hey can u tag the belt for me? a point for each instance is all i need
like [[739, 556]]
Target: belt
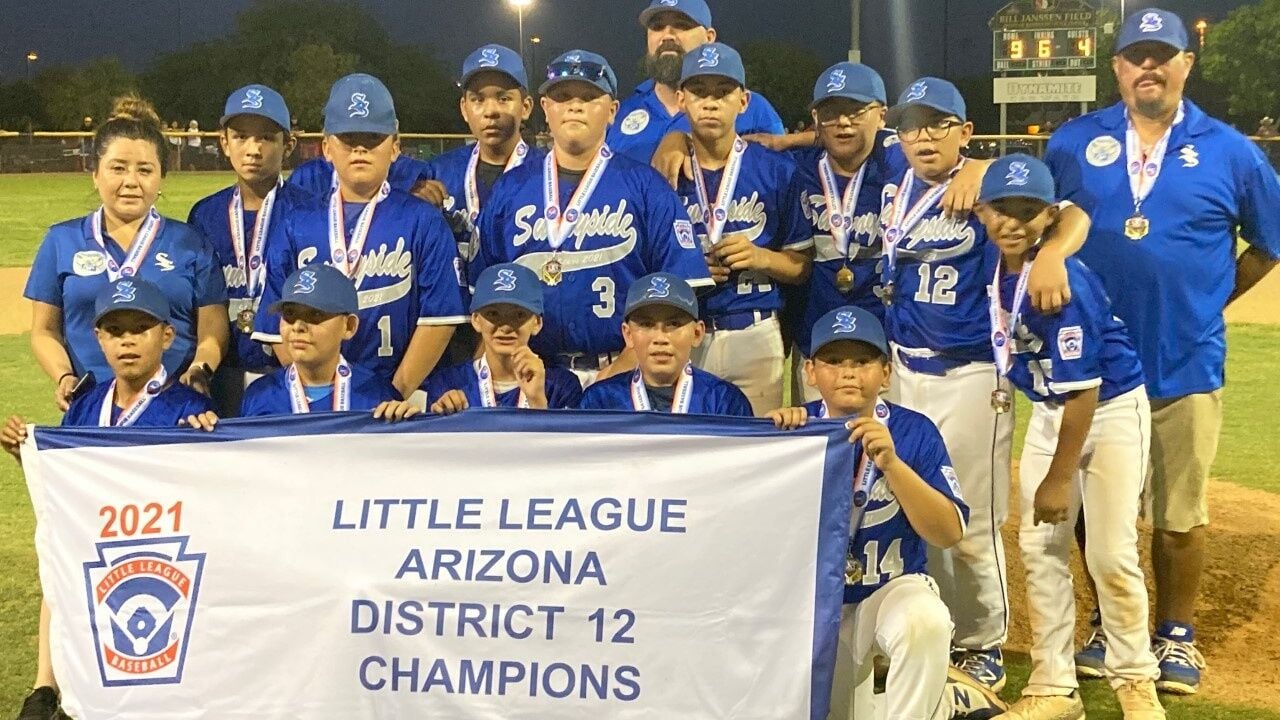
[[584, 361], [739, 320], [929, 364]]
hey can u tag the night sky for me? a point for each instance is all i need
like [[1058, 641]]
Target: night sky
[[64, 32]]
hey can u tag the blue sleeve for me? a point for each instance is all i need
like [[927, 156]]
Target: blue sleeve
[[255, 402], [209, 283], [441, 287], [1260, 205], [79, 411], [437, 384], [1075, 339], [565, 390], [280, 261], [44, 284], [593, 398], [764, 119], [195, 405], [736, 403], [485, 248], [795, 232], [314, 177], [932, 463], [668, 248]]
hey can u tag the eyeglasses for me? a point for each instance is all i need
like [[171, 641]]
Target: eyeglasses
[[588, 71], [935, 131], [830, 117]]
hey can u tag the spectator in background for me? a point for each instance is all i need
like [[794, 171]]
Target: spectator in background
[[86, 143], [175, 145], [193, 142], [1267, 128]]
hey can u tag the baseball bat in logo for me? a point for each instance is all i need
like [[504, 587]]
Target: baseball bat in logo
[[142, 600]]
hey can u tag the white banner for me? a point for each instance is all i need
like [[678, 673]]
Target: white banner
[[1052, 88], [493, 564]]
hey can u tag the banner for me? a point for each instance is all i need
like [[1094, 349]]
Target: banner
[[491, 564]]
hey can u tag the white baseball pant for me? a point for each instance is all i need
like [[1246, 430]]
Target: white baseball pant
[[751, 358]]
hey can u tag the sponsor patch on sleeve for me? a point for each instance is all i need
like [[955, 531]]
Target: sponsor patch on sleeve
[[1071, 342], [684, 234], [953, 481]]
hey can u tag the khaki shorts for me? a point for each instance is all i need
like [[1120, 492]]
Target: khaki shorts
[[1184, 441]]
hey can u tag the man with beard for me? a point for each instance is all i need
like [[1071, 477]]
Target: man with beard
[[1169, 189], [674, 27]]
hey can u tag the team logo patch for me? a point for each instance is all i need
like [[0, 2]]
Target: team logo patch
[[953, 481], [306, 283], [506, 281], [836, 81], [710, 58], [252, 100], [659, 287], [163, 262], [1071, 342], [669, 3], [88, 263], [1018, 175], [684, 234], [845, 323], [1189, 157], [344, 370], [359, 106], [917, 91], [1151, 22], [635, 121], [488, 57], [574, 58], [124, 292], [142, 601], [1102, 151]]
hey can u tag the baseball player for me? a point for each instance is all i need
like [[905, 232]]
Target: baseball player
[[1086, 449], [506, 310], [661, 326], [934, 278], [236, 221], [674, 28], [745, 204], [396, 248], [905, 497], [318, 312], [586, 220]]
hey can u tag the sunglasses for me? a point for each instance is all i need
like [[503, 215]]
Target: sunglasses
[[588, 71]]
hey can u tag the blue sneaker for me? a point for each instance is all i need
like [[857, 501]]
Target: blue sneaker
[[1180, 661], [1091, 660], [984, 666]]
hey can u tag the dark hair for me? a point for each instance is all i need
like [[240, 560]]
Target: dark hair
[[132, 118]]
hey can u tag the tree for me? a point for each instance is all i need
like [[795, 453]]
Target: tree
[[21, 107], [784, 73], [1240, 55], [68, 95], [312, 69]]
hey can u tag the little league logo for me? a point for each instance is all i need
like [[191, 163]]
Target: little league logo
[[142, 600], [252, 100]]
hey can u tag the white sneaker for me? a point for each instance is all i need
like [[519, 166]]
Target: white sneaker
[[970, 698], [1139, 701], [1047, 707]]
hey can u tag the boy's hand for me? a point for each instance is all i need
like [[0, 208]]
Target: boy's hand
[[1053, 499], [451, 402], [736, 252], [397, 410], [197, 379], [958, 201], [1047, 284], [433, 191], [13, 435], [62, 393], [719, 273], [876, 440], [671, 159], [789, 418], [531, 375], [206, 421]]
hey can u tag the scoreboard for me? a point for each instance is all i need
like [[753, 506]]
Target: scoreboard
[[1047, 49]]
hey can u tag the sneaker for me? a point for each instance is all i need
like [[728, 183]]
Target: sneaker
[[41, 704], [1180, 661], [1047, 707], [971, 699], [985, 666], [1139, 701], [1091, 659]]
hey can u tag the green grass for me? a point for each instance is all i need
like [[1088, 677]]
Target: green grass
[[29, 204]]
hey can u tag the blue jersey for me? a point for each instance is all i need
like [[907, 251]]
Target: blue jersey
[[885, 164], [1081, 347], [943, 269], [1170, 287], [710, 396], [886, 544], [210, 216], [172, 405], [269, 394], [643, 120], [407, 277], [70, 269], [633, 225], [315, 176], [563, 388], [765, 208], [450, 169]]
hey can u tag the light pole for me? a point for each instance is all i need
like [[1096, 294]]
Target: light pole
[[31, 58], [1202, 25], [520, 5], [535, 41], [855, 31]]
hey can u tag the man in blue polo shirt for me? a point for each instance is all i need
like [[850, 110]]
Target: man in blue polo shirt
[[1169, 188], [674, 27]]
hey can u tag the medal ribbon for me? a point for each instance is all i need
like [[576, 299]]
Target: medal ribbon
[[840, 209], [249, 256], [679, 405], [147, 235], [865, 477], [130, 415], [472, 189], [560, 225], [341, 389], [488, 398], [902, 219], [1002, 333], [715, 217], [346, 256], [1140, 166]]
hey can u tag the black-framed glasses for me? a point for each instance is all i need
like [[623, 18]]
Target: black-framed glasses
[[934, 131], [588, 71], [831, 116]]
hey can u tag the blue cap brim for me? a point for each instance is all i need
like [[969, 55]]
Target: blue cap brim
[[848, 96], [647, 302], [548, 84], [279, 304], [222, 122], [895, 113], [343, 126], [98, 318], [531, 307], [462, 83]]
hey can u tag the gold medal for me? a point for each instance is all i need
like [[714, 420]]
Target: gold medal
[[852, 571], [1136, 227], [1001, 402], [551, 272], [844, 280], [886, 293], [244, 321]]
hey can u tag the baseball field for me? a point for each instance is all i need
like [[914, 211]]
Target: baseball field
[[1239, 619]]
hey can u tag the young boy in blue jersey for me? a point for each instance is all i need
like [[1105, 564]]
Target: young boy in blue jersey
[[133, 328], [237, 220], [745, 205], [906, 497], [1086, 449], [397, 249], [318, 312], [506, 310], [587, 221], [662, 328]]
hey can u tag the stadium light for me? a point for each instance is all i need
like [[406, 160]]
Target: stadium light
[[520, 5], [1202, 26], [31, 57]]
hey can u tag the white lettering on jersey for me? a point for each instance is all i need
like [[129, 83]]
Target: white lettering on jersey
[[819, 216], [1189, 157], [602, 222], [742, 210], [880, 493], [394, 262]]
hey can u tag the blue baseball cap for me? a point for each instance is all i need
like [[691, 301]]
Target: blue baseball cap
[[129, 293], [582, 66], [695, 10], [257, 100], [508, 283], [494, 58], [848, 323], [930, 92], [360, 103], [713, 59], [1152, 25], [1018, 175], [322, 287], [849, 80], [662, 288]]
